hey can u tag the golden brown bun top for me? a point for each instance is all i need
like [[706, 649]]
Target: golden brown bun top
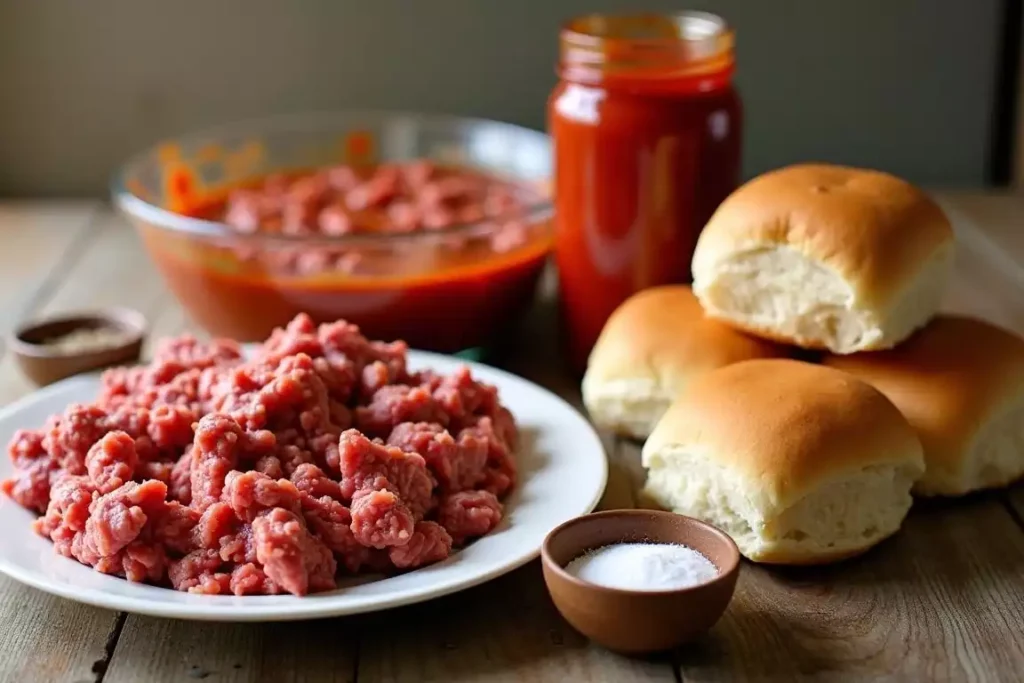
[[662, 334], [948, 379], [875, 229], [787, 425]]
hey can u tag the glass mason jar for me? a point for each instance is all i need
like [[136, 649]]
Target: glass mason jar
[[646, 127]]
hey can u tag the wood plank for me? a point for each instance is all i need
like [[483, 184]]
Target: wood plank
[[159, 650], [935, 603], [51, 639], [620, 492], [985, 290], [994, 216], [106, 268], [506, 630], [112, 271], [36, 237], [44, 638], [109, 270], [938, 602]]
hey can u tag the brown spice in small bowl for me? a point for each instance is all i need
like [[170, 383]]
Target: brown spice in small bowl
[[52, 349], [86, 339]]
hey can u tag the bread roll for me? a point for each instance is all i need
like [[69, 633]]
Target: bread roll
[[960, 383], [650, 349], [799, 463], [825, 257]]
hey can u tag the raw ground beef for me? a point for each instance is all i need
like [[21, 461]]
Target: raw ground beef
[[407, 197], [321, 454]]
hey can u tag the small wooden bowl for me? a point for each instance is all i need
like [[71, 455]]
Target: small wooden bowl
[[45, 364], [639, 622]]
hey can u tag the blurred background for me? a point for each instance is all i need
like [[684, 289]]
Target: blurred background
[[925, 89]]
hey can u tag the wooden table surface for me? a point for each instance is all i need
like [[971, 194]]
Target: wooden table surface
[[941, 601]]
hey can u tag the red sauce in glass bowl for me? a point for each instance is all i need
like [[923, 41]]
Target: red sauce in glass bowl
[[378, 246], [647, 132]]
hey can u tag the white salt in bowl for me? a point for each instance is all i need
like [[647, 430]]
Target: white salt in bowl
[[639, 621]]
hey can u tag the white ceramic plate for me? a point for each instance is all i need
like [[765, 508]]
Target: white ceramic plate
[[562, 474]]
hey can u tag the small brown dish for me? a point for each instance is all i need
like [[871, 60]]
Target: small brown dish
[[631, 621], [94, 341]]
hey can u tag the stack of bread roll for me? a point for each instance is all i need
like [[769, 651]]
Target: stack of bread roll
[[806, 386]]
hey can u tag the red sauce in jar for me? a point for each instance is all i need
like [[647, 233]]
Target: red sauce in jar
[[647, 137], [437, 289]]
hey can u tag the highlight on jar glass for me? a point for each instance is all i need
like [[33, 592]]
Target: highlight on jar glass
[[646, 128], [434, 230]]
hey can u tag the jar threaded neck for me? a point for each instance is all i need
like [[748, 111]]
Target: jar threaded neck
[[694, 49]]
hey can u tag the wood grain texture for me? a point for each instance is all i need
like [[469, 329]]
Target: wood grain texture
[[941, 601], [111, 270], [43, 638], [107, 269], [167, 651], [36, 240], [620, 491], [506, 630], [938, 602]]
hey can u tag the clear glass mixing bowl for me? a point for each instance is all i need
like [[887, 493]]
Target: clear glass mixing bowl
[[446, 290]]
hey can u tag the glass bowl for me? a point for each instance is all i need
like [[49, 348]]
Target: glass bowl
[[445, 290]]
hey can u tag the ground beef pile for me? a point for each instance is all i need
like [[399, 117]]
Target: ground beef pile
[[401, 197], [414, 196], [321, 454]]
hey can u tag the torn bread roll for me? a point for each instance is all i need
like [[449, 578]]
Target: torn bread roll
[[960, 383], [799, 463], [825, 257], [650, 349]]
